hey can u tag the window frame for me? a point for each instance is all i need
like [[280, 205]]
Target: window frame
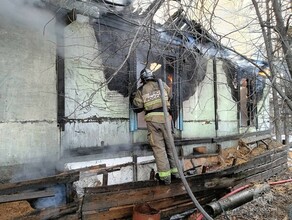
[[176, 102]]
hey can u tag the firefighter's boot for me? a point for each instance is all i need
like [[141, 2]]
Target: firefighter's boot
[[163, 180]]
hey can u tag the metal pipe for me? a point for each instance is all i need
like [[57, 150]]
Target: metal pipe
[[236, 200], [215, 83], [178, 165]]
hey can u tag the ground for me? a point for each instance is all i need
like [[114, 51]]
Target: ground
[[274, 205], [13, 210]]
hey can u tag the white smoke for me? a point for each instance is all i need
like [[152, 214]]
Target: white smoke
[[28, 14], [58, 199]]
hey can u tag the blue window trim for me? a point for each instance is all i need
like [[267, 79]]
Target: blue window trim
[[133, 120]]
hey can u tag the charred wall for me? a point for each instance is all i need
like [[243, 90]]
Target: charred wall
[[234, 76], [116, 36], [193, 73], [114, 46]]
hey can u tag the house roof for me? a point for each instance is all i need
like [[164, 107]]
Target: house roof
[[177, 30]]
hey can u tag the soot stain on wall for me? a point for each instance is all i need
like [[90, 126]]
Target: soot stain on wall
[[113, 53], [114, 45], [234, 76], [193, 73]]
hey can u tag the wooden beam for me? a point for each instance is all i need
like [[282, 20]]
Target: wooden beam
[[135, 167], [144, 146], [105, 200], [27, 195], [54, 213], [105, 179], [63, 178], [254, 139], [168, 206], [129, 193]]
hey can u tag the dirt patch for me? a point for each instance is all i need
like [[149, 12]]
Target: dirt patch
[[13, 210], [244, 152], [230, 156]]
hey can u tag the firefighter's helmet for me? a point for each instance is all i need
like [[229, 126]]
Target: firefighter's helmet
[[146, 75]]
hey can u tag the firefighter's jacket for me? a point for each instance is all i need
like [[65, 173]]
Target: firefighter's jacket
[[148, 98]]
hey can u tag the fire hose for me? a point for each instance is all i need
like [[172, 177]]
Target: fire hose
[[232, 200], [177, 162]]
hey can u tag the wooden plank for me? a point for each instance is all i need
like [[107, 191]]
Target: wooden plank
[[238, 136], [70, 192], [148, 183], [63, 178], [53, 213], [261, 159], [253, 139], [227, 178], [140, 146], [261, 168], [27, 195], [89, 168], [119, 187], [114, 168], [167, 206], [112, 199], [74, 216], [99, 201], [105, 179], [256, 161], [264, 175]]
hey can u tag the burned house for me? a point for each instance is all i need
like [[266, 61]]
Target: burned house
[[65, 87]]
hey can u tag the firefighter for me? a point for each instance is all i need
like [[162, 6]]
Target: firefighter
[[148, 98]]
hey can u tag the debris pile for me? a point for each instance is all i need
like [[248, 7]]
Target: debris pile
[[229, 168]]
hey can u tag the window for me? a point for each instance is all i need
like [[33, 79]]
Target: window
[[164, 68], [247, 103]]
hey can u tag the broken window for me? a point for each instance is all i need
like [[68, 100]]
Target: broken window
[[247, 102], [166, 69], [247, 90]]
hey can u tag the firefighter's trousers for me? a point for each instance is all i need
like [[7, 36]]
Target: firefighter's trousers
[[160, 142]]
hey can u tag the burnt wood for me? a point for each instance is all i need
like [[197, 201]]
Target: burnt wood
[[27, 195], [10, 188], [60, 212], [117, 201], [168, 206], [256, 138], [228, 172], [63, 178], [144, 146]]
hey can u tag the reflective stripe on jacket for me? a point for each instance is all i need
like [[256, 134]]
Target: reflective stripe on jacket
[[148, 97]]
